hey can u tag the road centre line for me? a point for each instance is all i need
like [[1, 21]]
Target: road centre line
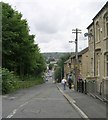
[[15, 110]]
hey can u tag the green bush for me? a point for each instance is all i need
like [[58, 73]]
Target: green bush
[[9, 81]]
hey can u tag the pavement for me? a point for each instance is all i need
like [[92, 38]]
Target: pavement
[[87, 105]]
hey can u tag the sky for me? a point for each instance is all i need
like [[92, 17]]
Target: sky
[[52, 21]]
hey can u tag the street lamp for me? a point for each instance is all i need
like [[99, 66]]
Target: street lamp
[[88, 34]]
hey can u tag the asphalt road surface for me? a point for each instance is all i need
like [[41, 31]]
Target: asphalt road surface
[[42, 101]]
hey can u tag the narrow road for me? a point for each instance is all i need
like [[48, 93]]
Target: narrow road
[[43, 101]]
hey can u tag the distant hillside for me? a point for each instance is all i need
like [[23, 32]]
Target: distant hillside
[[55, 55]]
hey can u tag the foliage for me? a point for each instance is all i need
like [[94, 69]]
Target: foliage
[[51, 66], [31, 81], [55, 55], [59, 72], [9, 81], [20, 54]]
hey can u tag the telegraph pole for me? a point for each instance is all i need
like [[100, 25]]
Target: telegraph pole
[[76, 31]]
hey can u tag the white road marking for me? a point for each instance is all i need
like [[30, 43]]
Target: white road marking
[[73, 104], [67, 96], [15, 110]]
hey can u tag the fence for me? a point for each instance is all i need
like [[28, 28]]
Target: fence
[[93, 87]]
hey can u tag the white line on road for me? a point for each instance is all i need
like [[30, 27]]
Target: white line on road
[[68, 97], [15, 110], [73, 104]]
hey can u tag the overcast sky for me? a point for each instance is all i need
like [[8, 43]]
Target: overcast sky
[[52, 21]]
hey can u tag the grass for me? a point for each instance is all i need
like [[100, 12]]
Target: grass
[[30, 82]]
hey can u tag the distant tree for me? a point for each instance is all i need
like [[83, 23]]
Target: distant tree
[[59, 72], [51, 66]]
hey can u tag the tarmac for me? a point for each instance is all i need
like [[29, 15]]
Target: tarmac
[[89, 106]]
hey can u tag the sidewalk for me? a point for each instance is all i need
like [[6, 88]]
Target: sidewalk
[[100, 97], [89, 107]]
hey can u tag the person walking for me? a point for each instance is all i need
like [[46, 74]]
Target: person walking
[[64, 81], [70, 81]]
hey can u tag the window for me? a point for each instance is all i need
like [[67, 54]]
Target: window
[[97, 63], [90, 34], [107, 65], [105, 25], [97, 31]]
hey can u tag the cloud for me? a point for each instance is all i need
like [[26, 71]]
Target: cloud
[[52, 21], [46, 26]]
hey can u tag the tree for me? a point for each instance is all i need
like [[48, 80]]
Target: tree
[[19, 52], [59, 72], [51, 66]]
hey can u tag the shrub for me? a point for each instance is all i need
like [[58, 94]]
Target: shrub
[[9, 81]]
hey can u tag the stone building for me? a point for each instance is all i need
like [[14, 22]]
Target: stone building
[[93, 60], [82, 67], [98, 47]]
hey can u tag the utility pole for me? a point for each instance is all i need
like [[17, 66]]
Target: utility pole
[[76, 31]]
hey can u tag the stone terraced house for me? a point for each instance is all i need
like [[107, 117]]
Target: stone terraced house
[[93, 61]]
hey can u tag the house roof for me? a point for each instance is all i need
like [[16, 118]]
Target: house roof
[[83, 51], [79, 54], [67, 61], [90, 25], [105, 6]]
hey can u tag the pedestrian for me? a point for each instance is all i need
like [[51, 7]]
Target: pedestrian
[[79, 77], [79, 83], [70, 81], [64, 81]]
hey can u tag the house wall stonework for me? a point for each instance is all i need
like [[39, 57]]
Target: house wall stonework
[[93, 63], [98, 49]]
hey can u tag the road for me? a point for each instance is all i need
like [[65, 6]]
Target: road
[[42, 101]]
